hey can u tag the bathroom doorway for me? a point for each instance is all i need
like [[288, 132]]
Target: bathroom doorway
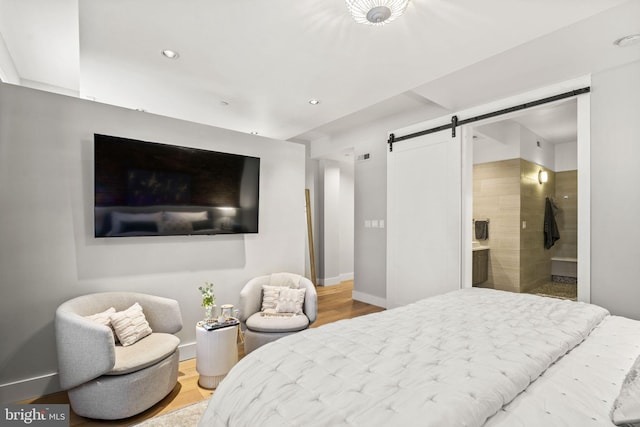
[[525, 181]]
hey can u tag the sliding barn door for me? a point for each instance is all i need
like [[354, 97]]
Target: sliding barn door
[[423, 217]]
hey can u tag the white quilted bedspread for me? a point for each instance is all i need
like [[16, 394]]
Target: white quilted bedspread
[[449, 360]]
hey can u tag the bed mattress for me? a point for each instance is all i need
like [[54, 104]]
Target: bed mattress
[[453, 359], [580, 388]]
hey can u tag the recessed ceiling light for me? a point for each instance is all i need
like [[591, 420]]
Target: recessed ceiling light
[[627, 40], [171, 54], [224, 103], [254, 132], [142, 110], [314, 101]]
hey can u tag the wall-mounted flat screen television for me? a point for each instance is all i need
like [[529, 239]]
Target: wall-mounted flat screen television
[[152, 189]]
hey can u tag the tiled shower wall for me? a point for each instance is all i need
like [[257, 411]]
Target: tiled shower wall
[[567, 218], [496, 196], [535, 260], [508, 193]]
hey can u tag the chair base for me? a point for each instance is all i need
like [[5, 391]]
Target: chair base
[[113, 397], [254, 340]]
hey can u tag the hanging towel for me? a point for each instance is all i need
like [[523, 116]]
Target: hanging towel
[[482, 230], [551, 233]]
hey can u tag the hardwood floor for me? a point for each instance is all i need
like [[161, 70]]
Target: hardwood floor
[[334, 303]]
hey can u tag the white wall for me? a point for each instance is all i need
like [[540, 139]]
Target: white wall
[[369, 181], [615, 197], [566, 156], [330, 237], [496, 141], [508, 139], [544, 154], [346, 212], [370, 250], [47, 250], [336, 238]]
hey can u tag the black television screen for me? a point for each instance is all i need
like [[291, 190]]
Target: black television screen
[[152, 189]]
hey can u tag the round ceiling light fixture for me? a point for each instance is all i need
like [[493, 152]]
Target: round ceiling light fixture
[[171, 54], [627, 40], [376, 12], [314, 101]]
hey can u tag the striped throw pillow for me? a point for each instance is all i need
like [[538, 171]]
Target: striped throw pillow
[[130, 325]]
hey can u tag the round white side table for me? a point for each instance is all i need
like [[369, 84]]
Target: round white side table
[[216, 353]]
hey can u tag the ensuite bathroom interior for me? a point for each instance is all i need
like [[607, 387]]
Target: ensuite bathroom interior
[[525, 178]]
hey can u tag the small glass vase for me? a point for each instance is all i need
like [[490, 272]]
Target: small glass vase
[[210, 314]]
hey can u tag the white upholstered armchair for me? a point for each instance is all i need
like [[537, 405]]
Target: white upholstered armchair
[[106, 380], [260, 329]]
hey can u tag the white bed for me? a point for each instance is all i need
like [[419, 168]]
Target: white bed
[[467, 358]]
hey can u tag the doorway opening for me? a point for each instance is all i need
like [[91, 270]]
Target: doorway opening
[[525, 201], [330, 180]]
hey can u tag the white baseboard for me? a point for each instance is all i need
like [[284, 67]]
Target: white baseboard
[[369, 299], [187, 351], [42, 385], [329, 281], [343, 277], [29, 388], [346, 276]]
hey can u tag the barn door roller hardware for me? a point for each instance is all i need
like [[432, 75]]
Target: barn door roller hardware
[[455, 122]]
